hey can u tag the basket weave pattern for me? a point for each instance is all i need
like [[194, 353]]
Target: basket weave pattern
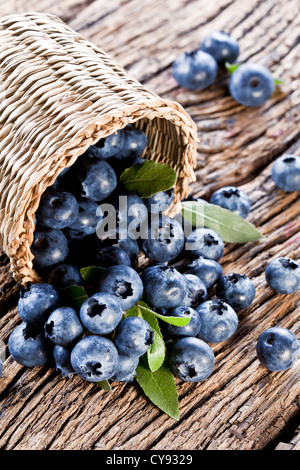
[[59, 95]]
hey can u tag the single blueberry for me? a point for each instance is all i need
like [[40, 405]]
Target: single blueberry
[[63, 275], [135, 142], [283, 275], [126, 369], [196, 291], [123, 282], [62, 359], [124, 242], [89, 215], [164, 286], [223, 47], [108, 146], [237, 290], [233, 199], [251, 85], [286, 173], [208, 271], [49, 247], [164, 239], [195, 70], [205, 242], [101, 313], [218, 321], [98, 180], [191, 329], [159, 202], [191, 359], [278, 349], [94, 358], [133, 336], [36, 302], [111, 256], [57, 209], [28, 345], [63, 326]]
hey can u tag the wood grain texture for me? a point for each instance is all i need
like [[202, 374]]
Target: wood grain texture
[[241, 406]]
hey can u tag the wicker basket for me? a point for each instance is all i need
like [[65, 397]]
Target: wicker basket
[[59, 95]]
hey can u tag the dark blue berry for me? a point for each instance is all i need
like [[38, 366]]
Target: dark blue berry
[[205, 242], [277, 349], [196, 291], [191, 359], [208, 271], [221, 46], [123, 282], [164, 286], [191, 329], [101, 313], [251, 85], [126, 369], [94, 358], [63, 275], [111, 256], [218, 321], [98, 182], [195, 70], [237, 290], [62, 359], [159, 202], [49, 247], [233, 199], [283, 275], [28, 345], [286, 173], [57, 209], [89, 215], [63, 326], [36, 302], [133, 336]]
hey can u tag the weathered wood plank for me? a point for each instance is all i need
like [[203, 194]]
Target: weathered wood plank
[[242, 406]]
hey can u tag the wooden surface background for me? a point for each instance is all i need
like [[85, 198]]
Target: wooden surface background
[[241, 406]]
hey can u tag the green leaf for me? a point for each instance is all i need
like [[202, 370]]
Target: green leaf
[[104, 385], [91, 274], [160, 388], [231, 67], [73, 296], [278, 81], [148, 178], [230, 226], [168, 319]]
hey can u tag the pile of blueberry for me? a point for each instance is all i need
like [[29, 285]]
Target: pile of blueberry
[[250, 84], [100, 341]]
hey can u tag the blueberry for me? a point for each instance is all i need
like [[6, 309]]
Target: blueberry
[[124, 242], [108, 146], [57, 209], [63, 326], [191, 329], [160, 201], [101, 313], [129, 214], [283, 275], [28, 346], [98, 181], [233, 199], [135, 142], [63, 275], [205, 242], [164, 286], [196, 291], [133, 336], [286, 173], [123, 282], [94, 358], [36, 302], [277, 349], [195, 70], [126, 369], [237, 290], [62, 359], [218, 321], [89, 215], [191, 359], [164, 240], [208, 271], [221, 46], [111, 256], [251, 85], [49, 247]]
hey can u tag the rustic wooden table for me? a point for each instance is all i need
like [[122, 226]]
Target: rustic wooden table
[[241, 406]]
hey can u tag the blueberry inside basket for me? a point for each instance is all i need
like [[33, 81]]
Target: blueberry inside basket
[[60, 94]]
